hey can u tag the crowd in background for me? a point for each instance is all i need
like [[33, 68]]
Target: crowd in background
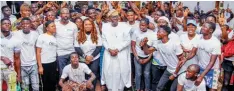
[[154, 46]]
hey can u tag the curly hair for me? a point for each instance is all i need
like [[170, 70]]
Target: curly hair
[[81, 37]]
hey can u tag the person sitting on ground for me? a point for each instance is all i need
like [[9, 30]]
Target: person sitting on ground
[[186, 80], [76, 73]]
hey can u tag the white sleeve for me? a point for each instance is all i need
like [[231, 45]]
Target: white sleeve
[[17, 47], [76, 43], [86, 69], [125, 42], [39, 42], [133, 37], [216, 50], [75, 34], [202, 86], [99, 40], [65, 72], [178, 49], [104, 41], [181, 79]]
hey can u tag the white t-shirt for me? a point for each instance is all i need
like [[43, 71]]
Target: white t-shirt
[[205, 49], [48, 46], [40, 29], [180, 27], [181, 32], [12, 18], [157, 56], [76, 75], [189, 44], [169, 52], [65, 36], [134, 26], [189, 85], [138, 36], [8, 47], [173, 36], [27, 43], [218, 32], [88, 47]]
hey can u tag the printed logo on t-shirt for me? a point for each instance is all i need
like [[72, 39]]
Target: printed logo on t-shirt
[[27, 43], [69, 29], [52, 44], [4, 46]]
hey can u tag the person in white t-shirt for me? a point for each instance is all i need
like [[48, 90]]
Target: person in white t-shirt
[[66, 32], [46, 56], [6, 11], [217, 32], [10, 57], [208, 50], [186, 81], [171, 53], [189, 43], [75, 72], [27, 41], [88, 45], [142, 62], [50, 16], [163, 20]]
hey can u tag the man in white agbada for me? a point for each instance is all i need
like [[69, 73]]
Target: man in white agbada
[[116, 70]]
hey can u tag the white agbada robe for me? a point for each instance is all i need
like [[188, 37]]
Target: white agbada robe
[[116, 70]]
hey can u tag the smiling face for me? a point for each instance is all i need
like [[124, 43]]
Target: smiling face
[[191, 29], [92, 14], [205, 29], [162, 22], [88, 26], [114, 20], [130, 16], [65, 15]]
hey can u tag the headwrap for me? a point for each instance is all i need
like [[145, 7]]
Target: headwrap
[[113, 12], [166, 19]]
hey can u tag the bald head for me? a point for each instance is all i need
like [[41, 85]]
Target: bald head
[[195, 68]]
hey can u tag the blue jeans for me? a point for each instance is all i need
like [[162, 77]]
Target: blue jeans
[[94, 67], [139, 68], [164, 80], [157, 72], [29, 74], [101, 58], [62, 62]]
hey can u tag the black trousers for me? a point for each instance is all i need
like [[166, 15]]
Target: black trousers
[[49, 76]]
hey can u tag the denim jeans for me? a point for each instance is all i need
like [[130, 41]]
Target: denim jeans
[[157, 72], [164, 80], [228, 70], [62, 62], [94, 67], [139, 69], [29, 74]]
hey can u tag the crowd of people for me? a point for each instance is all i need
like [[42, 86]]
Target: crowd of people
[[156, 47]]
